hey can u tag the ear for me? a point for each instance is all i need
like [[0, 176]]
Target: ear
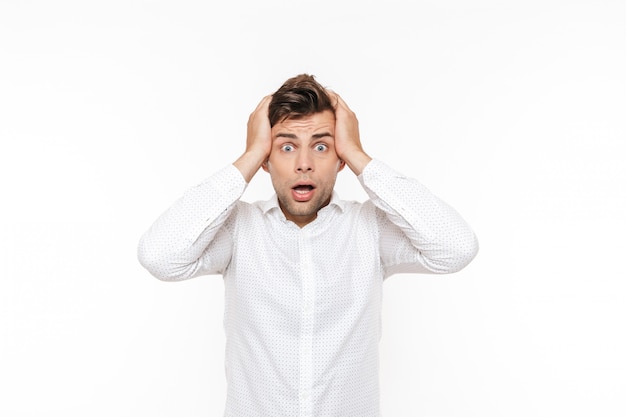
[[265, 166], [342, 165]]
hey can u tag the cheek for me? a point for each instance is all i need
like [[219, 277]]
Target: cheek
[[276, 168], [279, 160]]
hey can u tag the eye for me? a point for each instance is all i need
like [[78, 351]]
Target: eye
[[320, 147], [287, 147]]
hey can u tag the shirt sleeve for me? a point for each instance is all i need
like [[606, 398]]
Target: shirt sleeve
[[419, 233], [176, 246]]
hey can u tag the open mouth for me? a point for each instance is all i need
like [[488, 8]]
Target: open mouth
[[303, 189], [302, 192]]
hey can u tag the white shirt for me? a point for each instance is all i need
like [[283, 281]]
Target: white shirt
[[302, 307]]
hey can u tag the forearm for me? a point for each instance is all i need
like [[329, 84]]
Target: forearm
[[172, 247], [356, 160], [249, 163]]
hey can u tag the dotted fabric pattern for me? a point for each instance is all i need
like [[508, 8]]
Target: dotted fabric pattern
[[302, 307]]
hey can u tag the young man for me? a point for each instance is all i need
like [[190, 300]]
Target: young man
[[303, 271]]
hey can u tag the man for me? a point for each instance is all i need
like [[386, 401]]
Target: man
[[303, 271]]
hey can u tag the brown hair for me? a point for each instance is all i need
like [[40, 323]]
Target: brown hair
[[299, 96]]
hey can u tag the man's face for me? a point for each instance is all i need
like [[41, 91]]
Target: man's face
[[303, 165]]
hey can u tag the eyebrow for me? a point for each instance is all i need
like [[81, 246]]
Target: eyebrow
[[293, 136]]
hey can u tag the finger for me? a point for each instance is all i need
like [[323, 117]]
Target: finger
[[334, 97], [342, 103], [264, 103]]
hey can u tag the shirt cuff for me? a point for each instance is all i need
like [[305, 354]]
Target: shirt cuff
[[376, 173]]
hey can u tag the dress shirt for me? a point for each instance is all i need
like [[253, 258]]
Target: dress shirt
[[303, 305]]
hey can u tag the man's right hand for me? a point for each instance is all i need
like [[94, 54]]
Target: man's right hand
[[258, 141]]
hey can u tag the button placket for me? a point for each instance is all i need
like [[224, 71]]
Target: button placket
[[306, 325]]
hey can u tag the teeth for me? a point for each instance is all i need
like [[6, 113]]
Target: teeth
[[302, 188]]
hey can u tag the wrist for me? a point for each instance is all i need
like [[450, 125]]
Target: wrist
[[357, 161], [249, 163]]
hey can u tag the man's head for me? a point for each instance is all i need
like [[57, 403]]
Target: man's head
[[302, 163], [299, 96]]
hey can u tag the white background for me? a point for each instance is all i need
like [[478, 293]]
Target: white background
[[513, 112]]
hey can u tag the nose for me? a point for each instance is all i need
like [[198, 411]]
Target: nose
[[304, 162]]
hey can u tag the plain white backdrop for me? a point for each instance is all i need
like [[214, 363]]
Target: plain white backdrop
[[513, 112]]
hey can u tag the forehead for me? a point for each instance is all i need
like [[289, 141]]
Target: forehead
[[316, 121]]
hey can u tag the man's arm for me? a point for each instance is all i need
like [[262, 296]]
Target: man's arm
[[419, 232], [175, 246], [189, 239]]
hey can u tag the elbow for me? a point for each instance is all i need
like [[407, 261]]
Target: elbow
[[152, 264], [452, 259], [157, 265], [463, 254]]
